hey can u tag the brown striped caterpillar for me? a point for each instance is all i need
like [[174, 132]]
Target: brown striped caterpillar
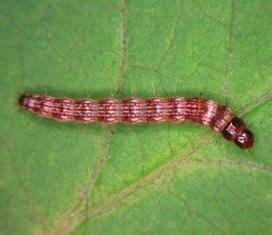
[[134, 110]]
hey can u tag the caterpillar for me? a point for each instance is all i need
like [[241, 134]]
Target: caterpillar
[[134, 110]]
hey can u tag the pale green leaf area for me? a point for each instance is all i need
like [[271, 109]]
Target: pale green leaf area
[[72, 178]]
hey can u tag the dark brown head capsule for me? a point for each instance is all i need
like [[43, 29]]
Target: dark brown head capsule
[[237, 132]]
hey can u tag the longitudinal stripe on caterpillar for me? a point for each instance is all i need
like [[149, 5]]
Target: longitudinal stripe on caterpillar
[[134, 110]]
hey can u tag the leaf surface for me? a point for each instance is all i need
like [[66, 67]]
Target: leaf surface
[[167, 178]]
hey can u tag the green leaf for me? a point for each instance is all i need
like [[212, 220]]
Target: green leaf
[[60, 178]]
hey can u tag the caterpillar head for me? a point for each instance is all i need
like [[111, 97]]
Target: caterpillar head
[[237, 132]]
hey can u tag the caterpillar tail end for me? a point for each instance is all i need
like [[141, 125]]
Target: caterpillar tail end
[[23, 99]]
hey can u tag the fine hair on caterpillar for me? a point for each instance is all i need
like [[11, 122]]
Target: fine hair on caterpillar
[[134, 110]]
